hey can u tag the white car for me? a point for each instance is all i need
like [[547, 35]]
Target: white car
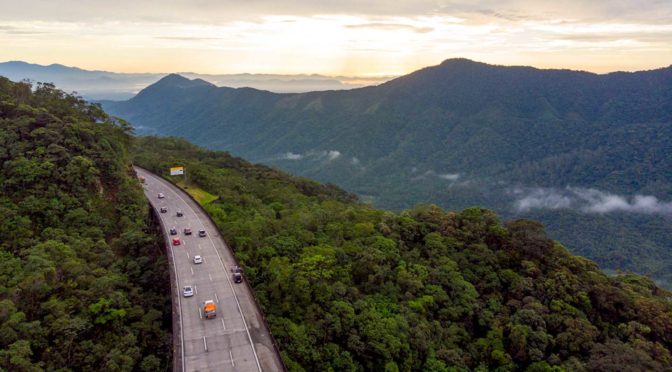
[[188, 291], [161, 196], [198, 259]]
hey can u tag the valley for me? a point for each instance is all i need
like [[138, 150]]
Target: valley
[[586, 154]]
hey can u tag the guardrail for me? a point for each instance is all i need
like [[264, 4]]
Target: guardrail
[[177, 324], [249, 287]]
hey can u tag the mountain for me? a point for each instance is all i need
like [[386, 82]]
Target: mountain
[[84, 283], [105, 85], [587, 154], [347, 287]]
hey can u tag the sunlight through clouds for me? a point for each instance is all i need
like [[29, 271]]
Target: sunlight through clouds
[[354, 41]]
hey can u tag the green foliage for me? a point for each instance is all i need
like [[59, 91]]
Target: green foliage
[[346, 287], [459, 134], [83, 283]]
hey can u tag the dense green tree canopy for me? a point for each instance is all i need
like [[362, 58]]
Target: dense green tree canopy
[[83, 282], [347, 287]]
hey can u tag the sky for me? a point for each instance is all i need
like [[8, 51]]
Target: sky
[[337, 38]]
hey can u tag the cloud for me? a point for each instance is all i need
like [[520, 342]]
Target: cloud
[[188, 38], [354, 160], [333, 154], [349, 37], [329, 155], [543, 199], [450, 176], [588, 200], [601, 202], [291, 156], [392, 26]]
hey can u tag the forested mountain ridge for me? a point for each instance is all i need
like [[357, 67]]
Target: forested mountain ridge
[[587, 154], [84, 285], [346, 287]]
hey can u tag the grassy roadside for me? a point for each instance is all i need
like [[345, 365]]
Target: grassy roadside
[[203, 197]]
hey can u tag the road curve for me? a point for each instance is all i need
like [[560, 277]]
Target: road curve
[[237, 339]]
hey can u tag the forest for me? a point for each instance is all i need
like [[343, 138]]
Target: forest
[[347, 287], [459, 134], [84, 284]]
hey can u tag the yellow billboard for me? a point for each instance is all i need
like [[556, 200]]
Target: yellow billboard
[[176, 171]]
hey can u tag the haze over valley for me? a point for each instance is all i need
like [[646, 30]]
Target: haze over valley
[[106, 85]]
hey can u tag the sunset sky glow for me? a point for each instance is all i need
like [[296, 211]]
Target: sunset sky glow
[[354, 38]]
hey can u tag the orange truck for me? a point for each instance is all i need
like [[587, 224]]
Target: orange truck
[[209, 309]]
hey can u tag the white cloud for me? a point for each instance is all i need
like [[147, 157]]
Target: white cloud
[[543, 199], [333, 154], [601, 202], [313, 155], [588, 200], [291, 156], [450, 176], [364, 38]]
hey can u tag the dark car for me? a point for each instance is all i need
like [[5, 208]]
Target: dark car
[[201, 233], [164, 209], [179, 213], [173, 231], [238, 277], [187, 231]]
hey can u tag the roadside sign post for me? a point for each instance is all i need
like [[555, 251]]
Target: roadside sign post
[[179, 171]]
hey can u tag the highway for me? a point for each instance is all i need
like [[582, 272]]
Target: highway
[[237, 339]]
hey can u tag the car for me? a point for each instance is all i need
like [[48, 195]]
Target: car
[[198, 259], [237, 277], [173, 231], [201, 233], [179, 213], [187, 231], [188, 291], [176, 241], [164, 209], [161, 196], [236, 269]]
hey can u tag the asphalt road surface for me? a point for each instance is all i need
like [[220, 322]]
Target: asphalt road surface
[[237, 339]]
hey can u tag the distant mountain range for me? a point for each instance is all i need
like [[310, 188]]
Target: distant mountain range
[[589, 155], [105, 85]]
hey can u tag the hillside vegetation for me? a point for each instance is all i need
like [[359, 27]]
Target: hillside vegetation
[[462, 134], [83, 283], [347, 287]]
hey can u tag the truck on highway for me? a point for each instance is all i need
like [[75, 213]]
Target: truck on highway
[[209, 309]]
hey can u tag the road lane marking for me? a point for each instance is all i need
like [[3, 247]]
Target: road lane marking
[[232, 363], [188, 255], [196, 290], [223, 325], [192, 270], [200, 314], [205, 344], [210, 276], [216, 298], [235, 296], [221, 261]]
